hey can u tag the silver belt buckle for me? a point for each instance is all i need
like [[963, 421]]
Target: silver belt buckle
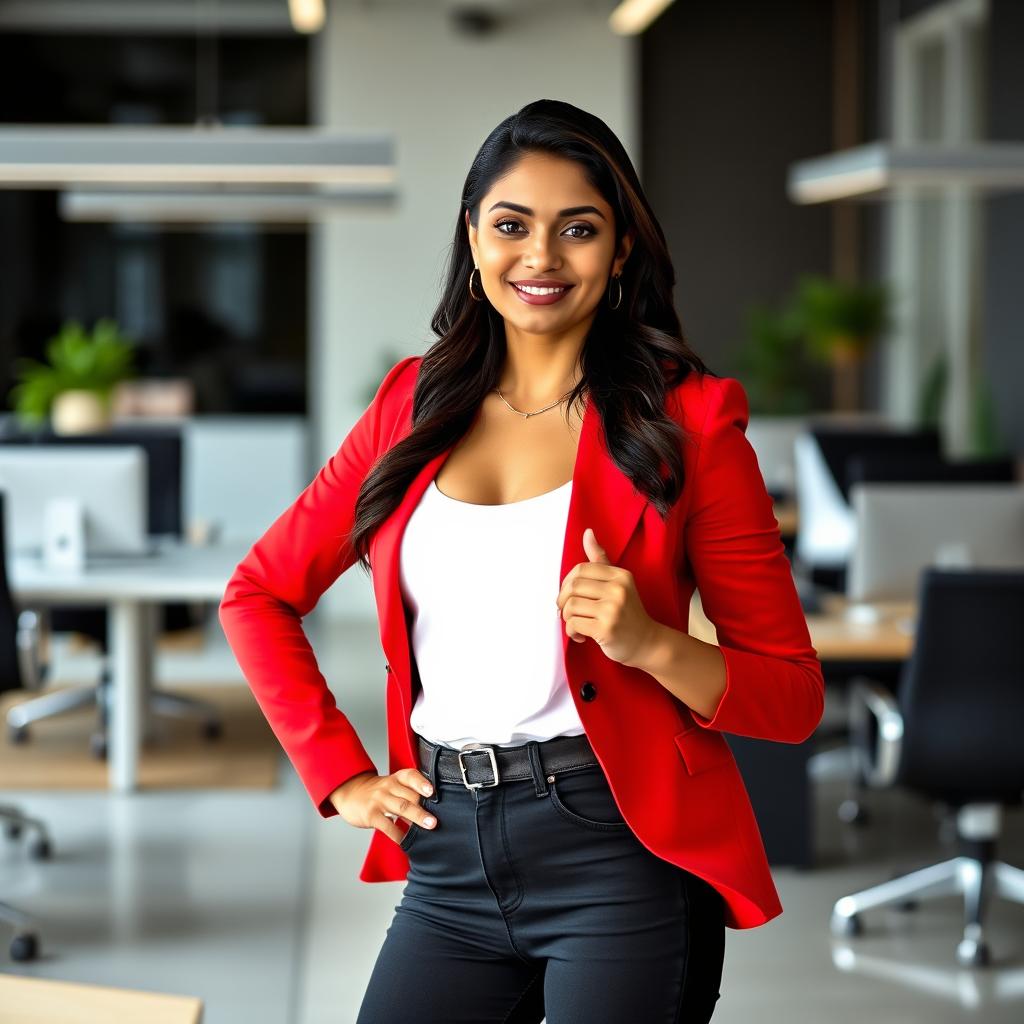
[[470, 748]]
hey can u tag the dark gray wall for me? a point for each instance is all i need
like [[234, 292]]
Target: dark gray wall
[[877, 19], [1003, 276], [733, 93]]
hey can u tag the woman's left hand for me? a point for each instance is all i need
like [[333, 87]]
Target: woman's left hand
[[600, 601]]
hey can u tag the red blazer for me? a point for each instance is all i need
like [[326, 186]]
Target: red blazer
[[683, 796]]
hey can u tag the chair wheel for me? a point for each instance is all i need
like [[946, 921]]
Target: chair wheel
[[12, 829], [24, 947], [98, 746], [846, 927], [852, 812], [41, 849], [973, 953], [212, 730], [17, 734]]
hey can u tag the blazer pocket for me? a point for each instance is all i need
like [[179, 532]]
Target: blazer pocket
[[702, 749]]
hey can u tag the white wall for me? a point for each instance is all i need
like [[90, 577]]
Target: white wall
[[402, 68]]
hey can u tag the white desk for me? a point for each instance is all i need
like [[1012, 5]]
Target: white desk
[[131, 588]]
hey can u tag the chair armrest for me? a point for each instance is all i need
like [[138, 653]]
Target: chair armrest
[[878, 749], [31, 667]]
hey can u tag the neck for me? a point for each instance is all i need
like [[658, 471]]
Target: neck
[[539, 368]]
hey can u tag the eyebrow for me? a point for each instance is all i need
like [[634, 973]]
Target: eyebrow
[[570, 211]]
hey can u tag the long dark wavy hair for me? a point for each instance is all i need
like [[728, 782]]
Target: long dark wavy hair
[[632, 356]]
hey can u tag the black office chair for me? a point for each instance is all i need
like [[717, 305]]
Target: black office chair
[[954, 736], [163, 446], [16, 668], [913, 463]]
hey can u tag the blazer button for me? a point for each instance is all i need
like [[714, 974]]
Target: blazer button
[[588, 691], [387, 668]]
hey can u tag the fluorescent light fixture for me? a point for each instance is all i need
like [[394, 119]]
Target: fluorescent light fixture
[[631, 17], [45, 156], [871, 171], [188, 206], [117, 17], [306, 15]]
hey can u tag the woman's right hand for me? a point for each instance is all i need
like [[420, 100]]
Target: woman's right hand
[[366, 800]]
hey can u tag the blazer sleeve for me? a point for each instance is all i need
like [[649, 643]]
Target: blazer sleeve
[[774, 686], [277, 583]]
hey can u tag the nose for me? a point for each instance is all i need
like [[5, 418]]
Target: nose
[[543, 255]]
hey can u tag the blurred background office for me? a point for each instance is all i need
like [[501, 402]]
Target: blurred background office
[[221, 222]]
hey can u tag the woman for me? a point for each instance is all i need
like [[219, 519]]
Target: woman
[[573, 829]]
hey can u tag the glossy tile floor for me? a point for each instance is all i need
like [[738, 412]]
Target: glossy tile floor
[[251, 901]]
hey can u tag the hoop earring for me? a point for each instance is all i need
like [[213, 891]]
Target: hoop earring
[[618, 301], [473, 295]]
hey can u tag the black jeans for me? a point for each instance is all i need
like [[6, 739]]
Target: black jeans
[[533, 898]]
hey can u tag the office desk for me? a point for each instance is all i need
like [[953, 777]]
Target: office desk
[[131, 588], [775, 774], [43, 1000], [837, 635], [786, 516]]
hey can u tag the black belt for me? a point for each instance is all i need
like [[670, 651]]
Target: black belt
[[477, 765]]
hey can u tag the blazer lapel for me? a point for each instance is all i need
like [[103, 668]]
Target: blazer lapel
[[602, 497]]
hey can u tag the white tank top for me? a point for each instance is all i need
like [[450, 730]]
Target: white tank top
[[481, 583]]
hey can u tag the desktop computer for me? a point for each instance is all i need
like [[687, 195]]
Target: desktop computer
[[903, 527], [68, 505]]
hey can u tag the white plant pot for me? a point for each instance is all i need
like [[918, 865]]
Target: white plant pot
[[79, 411]]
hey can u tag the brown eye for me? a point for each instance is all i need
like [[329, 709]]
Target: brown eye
[[572, 227]]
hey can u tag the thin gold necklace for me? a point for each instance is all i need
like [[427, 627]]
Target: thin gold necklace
[[527, 415]]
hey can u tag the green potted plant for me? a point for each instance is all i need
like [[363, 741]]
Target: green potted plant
[[773, 365], [74, 387], [840, 323], [986, 440]]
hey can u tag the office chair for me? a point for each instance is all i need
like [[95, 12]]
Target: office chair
[[163, 447], [952, 735], [16, 672], [912, 461]]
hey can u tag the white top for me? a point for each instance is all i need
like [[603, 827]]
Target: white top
[[481, 583]]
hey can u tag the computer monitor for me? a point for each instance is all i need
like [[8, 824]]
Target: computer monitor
[[840, 445], [821, 454], [772, 439], [164, 459], [920, 467], [902, 528], [110, 483]]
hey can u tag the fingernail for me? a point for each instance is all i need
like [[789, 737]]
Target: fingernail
[[426, 791], [429, 822]]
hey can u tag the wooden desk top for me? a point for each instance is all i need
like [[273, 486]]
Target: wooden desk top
[[843, 630], [786, 516], [27, 1000], [837, 632]]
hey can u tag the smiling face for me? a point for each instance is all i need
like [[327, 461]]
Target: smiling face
[[545, 222]]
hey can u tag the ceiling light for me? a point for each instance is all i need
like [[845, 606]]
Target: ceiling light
[[44, 156], [872, 170], [631, 17], [306, 15], [192, 207]]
